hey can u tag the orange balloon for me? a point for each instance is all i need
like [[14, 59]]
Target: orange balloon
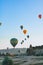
[[24, 31]]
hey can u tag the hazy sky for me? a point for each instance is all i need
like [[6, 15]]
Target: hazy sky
[[14, 13]]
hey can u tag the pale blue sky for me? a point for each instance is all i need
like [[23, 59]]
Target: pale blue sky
[[14, 13]]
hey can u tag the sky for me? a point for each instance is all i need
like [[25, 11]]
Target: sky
[[13, 14]]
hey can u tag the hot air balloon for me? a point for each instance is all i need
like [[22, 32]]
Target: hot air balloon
[[13, 42], [22, 41], [39, 16], [0, 23], [24, 31], [21, 27], [27, 36]]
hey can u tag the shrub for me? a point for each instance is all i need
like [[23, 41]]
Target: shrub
[[7, 61]]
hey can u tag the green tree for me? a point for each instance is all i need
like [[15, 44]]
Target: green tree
[[7, 61]]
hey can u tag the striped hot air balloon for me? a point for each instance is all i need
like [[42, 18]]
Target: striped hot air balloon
[[13, 42]]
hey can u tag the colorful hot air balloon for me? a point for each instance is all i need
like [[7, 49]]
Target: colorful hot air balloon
[[21, 27], [24, 31], [13, 42], [39, 16], [27, 36]]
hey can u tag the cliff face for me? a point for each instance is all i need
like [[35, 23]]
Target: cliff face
[[38, 50], [14, 51]]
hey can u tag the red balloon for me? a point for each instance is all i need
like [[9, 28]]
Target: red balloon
[[40, 16]]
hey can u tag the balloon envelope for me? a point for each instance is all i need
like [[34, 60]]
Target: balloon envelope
[[24, 31], [22, 41], [0, 23], [27, 36], [21, 27], [40, 16], [14, 42]]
